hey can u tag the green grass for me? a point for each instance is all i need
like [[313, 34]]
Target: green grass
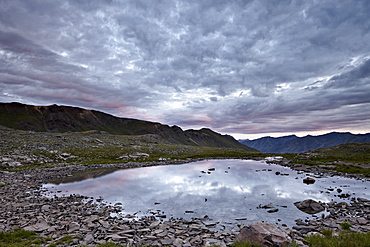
[[344, 239], [3, 185], [109, 244], [20, 238], [350, 169], [350, 152]]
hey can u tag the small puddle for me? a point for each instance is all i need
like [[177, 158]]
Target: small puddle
[[227, 191]]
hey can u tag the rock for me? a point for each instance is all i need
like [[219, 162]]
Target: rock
[[38, 227], [341, 205], [89, 238], [362, 221], [299, 222], [314, 234], [309, 180], [267, 206], [74, 226], [309, 206], [154, 224], [359, 199], [344, 195], [45, 207], [166, 242], [213, 242], [265, 234], [273, 210], [305, 229], [116, 237]]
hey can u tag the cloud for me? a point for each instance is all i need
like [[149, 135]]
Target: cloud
[[235, 66]]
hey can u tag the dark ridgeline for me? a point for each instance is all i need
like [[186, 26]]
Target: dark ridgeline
[[294, 144], [59, 119]]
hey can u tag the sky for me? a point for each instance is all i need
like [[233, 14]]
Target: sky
[[247, 68]]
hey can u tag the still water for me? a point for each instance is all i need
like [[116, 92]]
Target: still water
[[227, 191]]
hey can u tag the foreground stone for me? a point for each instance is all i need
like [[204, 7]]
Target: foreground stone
[[265, 234]]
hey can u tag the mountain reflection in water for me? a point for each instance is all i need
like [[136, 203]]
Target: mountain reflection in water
[[228, 191]]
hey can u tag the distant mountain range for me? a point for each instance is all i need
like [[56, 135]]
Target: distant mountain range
[[60, 119], [295, 144]]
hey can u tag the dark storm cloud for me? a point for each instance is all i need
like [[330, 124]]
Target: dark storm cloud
[[235, 66]]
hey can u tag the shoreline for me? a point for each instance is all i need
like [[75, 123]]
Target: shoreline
[[22, 205]]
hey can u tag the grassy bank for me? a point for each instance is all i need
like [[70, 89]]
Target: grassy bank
[[351, 158]]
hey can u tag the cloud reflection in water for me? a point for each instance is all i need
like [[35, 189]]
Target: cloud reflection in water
[[233, 189]]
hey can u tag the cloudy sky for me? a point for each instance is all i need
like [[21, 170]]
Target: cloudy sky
[[248, 68]]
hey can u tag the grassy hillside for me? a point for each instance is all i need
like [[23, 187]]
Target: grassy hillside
[[62, 119]]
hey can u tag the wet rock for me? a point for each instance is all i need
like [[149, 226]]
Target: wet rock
[[309, 180], [267, 206], [345, 195], [341, 205], [359, 199], [309, 206]]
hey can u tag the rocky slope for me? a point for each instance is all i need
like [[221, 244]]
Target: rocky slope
[[295, 144], [60, 119]]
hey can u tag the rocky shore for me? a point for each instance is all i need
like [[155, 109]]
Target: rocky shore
[[89, 222], [22, 205]]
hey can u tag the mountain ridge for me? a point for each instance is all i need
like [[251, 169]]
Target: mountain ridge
[[59, 119], [295, 144]]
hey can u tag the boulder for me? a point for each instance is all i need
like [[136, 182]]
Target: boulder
[[265, 234], [309, 206]]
